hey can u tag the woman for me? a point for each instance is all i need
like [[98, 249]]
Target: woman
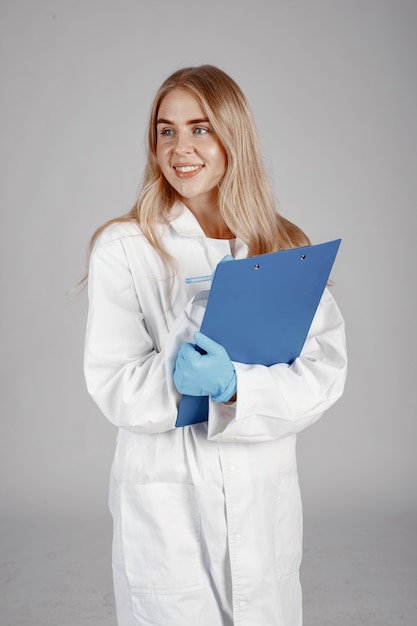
[[207, 518]]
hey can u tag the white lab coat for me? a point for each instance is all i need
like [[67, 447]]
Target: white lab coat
[[207, 518]]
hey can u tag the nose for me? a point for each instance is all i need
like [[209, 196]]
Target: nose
[[184, 144]]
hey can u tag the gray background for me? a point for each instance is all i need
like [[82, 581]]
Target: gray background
[[333, 86]]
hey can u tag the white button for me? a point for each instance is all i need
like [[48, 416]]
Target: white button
[[232, 468], [238, 537], [242, 603]]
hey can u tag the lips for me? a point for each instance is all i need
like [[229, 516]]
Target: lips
[[187, 171]]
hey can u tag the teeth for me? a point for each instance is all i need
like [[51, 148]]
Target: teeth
[[187, 168]]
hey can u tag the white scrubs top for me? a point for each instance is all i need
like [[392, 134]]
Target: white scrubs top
[[207, 518]]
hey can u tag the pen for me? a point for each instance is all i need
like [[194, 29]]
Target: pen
[[197, 279]]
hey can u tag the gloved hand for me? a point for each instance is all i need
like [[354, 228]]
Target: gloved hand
[[210, 374]]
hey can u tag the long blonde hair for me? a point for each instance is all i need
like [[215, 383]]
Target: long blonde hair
[[245, 198]]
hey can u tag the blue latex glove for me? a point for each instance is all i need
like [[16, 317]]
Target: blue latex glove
[[210, 374]]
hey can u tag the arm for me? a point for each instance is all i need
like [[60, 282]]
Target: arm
[[280, 400], [125, 373]]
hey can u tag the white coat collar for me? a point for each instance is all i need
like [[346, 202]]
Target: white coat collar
[[182, 220]]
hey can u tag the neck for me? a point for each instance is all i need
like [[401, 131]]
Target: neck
[[210, 219], [216, 230]]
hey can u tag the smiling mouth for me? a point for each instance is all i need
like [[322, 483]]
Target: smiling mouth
[[185, 169]]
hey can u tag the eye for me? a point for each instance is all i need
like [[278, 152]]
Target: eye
[[167, 132], [201, 130]]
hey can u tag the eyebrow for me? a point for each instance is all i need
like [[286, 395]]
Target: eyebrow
[[189, 123]]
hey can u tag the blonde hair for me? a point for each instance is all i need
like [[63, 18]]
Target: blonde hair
[[245, 199]]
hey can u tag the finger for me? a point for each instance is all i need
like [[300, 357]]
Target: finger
[[207, 344], [188, 353]]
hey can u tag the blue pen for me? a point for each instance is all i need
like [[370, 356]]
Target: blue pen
[[198, 279]]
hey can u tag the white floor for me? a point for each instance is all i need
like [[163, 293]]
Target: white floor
[[357, 571]]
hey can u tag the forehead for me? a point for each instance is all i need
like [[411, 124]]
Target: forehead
[[180, 105]]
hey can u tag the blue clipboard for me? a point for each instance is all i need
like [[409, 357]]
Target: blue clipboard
[[261, 308]]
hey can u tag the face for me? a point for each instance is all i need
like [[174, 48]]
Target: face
[[188, 152]]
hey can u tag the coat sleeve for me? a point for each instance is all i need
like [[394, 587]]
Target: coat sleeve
[[280, 400], [125, 373]]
